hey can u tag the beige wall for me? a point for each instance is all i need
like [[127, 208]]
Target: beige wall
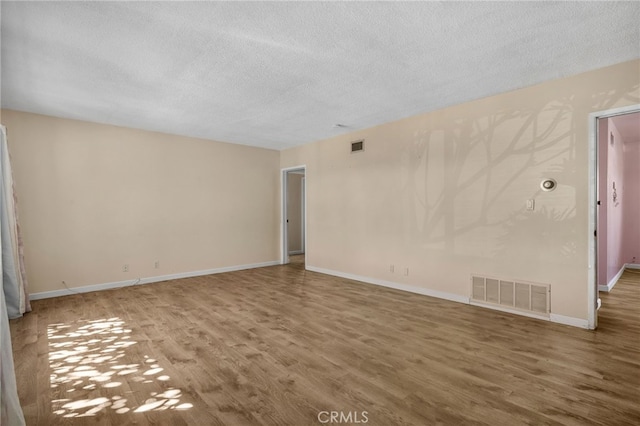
[[94, 197], [443, 194], [294, 212]]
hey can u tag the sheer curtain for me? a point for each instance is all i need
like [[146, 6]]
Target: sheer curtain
[[10, 410], [14, 279], [14, 300]]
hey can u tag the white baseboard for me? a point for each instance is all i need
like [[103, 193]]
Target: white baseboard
[[607, 288], [574, 322], [405, 287], [149, 280], [509, 310], [560, 319]]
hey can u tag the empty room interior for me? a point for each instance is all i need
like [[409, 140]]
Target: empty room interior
[[308, 213]]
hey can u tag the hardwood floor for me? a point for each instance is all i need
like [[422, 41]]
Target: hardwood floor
[[281, 346]]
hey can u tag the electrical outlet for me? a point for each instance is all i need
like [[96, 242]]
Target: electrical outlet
[[125, 268], [392, 268], [531, 205], [157, 264], [406, 272]]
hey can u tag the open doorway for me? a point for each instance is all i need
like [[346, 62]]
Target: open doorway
[[294, 226], [615, 199]]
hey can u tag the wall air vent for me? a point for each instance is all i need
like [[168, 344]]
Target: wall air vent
[[530, 297], [357, 146]]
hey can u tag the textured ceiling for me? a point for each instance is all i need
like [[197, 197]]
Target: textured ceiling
[[278, 75]]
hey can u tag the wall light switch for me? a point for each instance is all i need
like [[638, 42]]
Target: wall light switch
[[531, 205]]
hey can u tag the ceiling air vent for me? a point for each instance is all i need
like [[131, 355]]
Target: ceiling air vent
[[357, 146]]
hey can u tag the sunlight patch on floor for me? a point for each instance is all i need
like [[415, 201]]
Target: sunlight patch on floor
[[87, 359]]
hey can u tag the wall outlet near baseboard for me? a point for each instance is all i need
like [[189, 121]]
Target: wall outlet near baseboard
[[392, 268], [125, 267], [157, 264]]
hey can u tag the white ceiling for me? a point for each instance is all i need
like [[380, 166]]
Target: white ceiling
[[277, 74]]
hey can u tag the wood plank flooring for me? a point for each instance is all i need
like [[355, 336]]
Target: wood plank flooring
[[280, 345]]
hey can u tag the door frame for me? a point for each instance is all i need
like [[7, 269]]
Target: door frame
[[284, 237], [303, 217], [594, 178]]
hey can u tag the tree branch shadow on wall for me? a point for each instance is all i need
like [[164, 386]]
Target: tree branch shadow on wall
[[467, 183]]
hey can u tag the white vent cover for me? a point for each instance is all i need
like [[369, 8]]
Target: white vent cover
[[511, 294]]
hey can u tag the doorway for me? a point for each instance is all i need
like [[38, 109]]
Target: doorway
[[606, 206], [294, 222]]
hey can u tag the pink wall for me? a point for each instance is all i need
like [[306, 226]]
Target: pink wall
[[615, 177], [619, 219], [631, 211], [603, 132]]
